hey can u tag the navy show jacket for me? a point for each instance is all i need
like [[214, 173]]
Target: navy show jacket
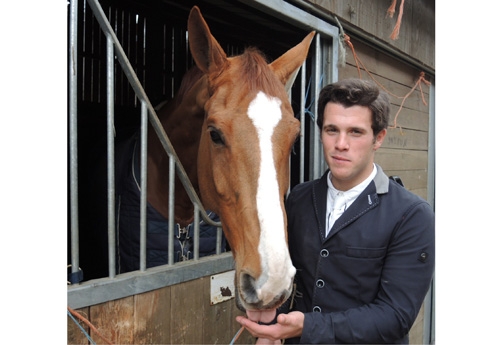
[[366, 281]]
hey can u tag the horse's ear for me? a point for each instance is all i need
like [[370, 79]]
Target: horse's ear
[[207, 52], [287, 65]]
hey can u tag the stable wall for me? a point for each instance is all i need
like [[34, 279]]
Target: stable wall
[[177, 314], [416, 34]]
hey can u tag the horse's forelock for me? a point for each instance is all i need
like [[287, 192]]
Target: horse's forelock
[[257, 74], [251, 73]]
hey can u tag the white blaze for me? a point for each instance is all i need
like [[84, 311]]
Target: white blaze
[[277, 269]]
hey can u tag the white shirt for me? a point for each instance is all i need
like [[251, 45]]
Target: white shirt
[[338, 201]]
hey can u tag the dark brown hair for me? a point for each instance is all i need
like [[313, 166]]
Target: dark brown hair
[[349, 92]]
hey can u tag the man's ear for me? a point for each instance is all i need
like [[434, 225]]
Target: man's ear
[[379, 139]]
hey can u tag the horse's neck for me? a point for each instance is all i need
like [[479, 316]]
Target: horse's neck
[[182, 123]]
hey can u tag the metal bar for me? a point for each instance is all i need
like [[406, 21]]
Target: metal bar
[[196, 235], [129, 284], [428, 323], [302, 120], [144, 187], [171, 193], [335, 59], [73, 135], [431, 174], [292, 14], [153, 118], [110, 114], [316, 88], [429, 310], [218, 245]]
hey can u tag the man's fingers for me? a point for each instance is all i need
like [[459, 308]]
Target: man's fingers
[[283, 319]]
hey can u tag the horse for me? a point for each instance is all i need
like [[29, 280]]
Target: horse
[[233, 128]]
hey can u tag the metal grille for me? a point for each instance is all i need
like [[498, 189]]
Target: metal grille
[[144, 40], [116, 68]]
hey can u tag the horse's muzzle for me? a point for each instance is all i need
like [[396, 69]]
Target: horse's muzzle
[[251, 296]]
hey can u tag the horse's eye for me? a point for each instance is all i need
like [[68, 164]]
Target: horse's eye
[[216, 137]]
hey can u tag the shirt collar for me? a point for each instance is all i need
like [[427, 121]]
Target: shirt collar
[[351, 194]]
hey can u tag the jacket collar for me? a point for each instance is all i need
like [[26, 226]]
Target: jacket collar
[[381, 181]]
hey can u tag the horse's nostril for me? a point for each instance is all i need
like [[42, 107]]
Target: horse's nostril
[[248, 287], [255, 296]]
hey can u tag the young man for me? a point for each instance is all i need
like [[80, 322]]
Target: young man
[[363, 245]]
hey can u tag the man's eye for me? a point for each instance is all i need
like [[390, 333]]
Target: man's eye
[[216, 137]]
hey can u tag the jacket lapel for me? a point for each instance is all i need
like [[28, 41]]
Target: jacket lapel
[[320, 190], [367, 200]]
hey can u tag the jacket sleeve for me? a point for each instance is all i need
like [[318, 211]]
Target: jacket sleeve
[[405, 280]]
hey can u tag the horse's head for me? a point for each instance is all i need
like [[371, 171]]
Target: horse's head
[[243, 160]]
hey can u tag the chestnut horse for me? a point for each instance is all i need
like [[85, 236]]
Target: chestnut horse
[[233, 131]]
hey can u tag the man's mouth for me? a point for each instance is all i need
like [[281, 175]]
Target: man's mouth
[[340, 159]]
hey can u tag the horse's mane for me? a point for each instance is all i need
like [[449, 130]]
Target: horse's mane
[[188, 80]]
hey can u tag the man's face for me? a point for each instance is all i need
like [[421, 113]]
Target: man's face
[[348, 143]]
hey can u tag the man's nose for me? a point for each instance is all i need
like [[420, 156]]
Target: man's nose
[[342, 142]]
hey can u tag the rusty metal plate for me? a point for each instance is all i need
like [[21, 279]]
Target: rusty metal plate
[[222, 287]]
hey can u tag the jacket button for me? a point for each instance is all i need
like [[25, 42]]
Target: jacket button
[[317, 309], [324, 253], [320, 283], [423, 257]]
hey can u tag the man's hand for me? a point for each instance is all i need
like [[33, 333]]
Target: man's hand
[[289, 325]]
